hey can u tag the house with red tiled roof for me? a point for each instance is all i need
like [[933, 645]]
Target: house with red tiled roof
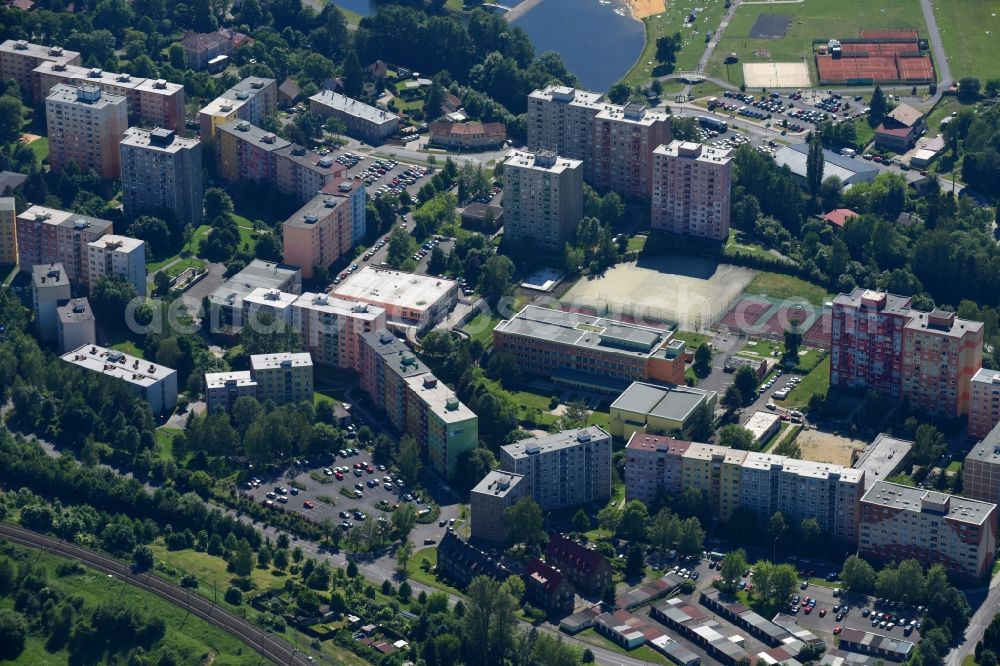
[[468, 136], [586, 568], [900, 129], [838, 217], [546, 588]]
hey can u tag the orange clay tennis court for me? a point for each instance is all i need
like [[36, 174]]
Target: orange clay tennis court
[[879, 56]]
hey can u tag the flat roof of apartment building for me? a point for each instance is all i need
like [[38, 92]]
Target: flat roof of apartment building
[[533, 446], [49, 275], [24, 47], [802, 468], [399, 358], [906, 498], [883, 458], [581, 330], [63, 218], [315, 210], [440, 399], [699, 451], [235, 379], [353, 107], [74, 311], [942, 322], [640, 441], [885, 302], [321, 164], [272, 298], [568, 95], [674, 403], [157, 139], [392, 287], [116, 242], [696, 152], [338, 306], [158, 86], [281, 360], [633, 114], [986, 376], [117, 364], [258, 273], [250, 133], [87, 94], [988, 450], [497, 483], [543, 161]]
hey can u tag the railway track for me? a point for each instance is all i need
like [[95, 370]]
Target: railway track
[[268, 645]]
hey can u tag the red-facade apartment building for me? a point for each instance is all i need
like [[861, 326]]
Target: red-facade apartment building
[[624, 140]]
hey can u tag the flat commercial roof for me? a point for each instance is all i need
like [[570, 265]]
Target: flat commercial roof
[[988, 450], [543, 161], [906, 498], [271, 298], [760, 423], [113, 363], [849, 171], [581, 330], [553, 442], [883, 458], [384, 285], [675, 403]]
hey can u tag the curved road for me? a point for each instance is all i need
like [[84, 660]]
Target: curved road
[[268, 645]]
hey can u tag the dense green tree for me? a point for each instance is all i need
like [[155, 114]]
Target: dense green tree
[[634, 518], [732, 568], [526, 523], [857, 575], [878, 107], [408, 460], [736, 437], [667, 47], [701, 424], [635, 563], [13, 634]]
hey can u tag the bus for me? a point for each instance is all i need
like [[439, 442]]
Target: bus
[[720, 126]]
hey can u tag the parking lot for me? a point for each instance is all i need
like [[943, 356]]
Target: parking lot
[[316, 494]]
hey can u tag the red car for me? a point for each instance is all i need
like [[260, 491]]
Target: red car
[[370, 470], [306, 504], [340, 476], [808, 609], [837, 630]]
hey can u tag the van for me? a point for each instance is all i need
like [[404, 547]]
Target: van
[[848, 152]]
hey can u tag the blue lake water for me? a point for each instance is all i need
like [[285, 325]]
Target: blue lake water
[[596, 44]]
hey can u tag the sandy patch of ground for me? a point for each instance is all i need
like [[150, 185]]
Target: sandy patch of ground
[[689, 291], [827, 447], [644, 8], [28, 138], [776, 75]]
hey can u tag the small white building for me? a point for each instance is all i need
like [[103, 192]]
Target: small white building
[[118, 255], [763, 425]]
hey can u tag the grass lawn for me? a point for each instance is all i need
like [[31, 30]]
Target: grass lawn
[[737, 244], [210, 569], [636, 243], [812, 19], [200, 234], [40, 147], [954, 466], [165, 441], [194, 640], [777, 285], [643, 652], [817, 381], [969, 30], [414, 571], [481, 327], [185, 264], [970, 660], [690, 338], [667, 23], [129, 348]]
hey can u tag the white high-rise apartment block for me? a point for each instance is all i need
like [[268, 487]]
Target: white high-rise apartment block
[[118, 255], [543, 198]]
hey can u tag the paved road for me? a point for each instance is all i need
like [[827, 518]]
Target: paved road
[[941, 63], [981, 618], [270, 646]]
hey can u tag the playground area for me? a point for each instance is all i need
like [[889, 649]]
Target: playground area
[[769, 318]]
